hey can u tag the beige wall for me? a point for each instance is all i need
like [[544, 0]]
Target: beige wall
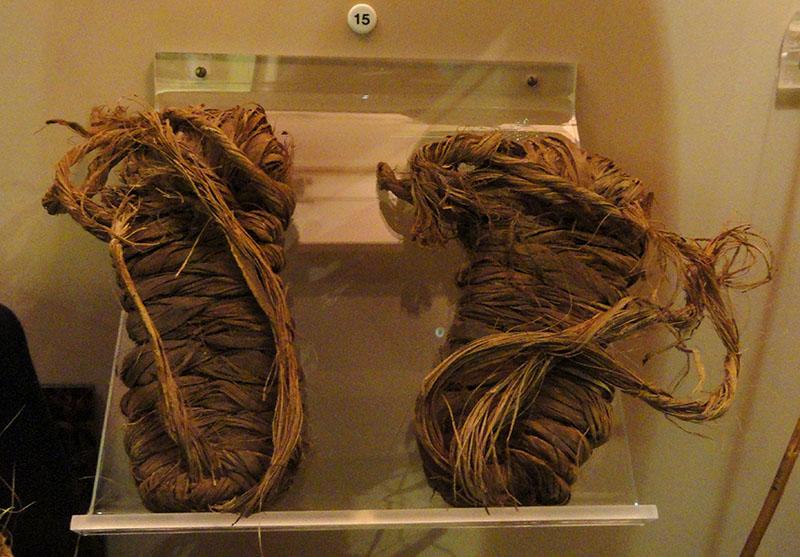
[[680, 93]]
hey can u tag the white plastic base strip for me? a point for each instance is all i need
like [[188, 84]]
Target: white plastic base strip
[[376, 519]]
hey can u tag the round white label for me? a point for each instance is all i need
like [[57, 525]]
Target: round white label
[[362, 18]]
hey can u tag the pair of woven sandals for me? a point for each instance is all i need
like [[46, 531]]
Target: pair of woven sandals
[[563, 262]]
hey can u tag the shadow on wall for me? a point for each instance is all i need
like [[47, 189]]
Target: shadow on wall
[[394, 543], [736, 465]]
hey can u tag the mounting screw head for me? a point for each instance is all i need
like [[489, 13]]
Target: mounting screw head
[[200, 72], [532, 81]]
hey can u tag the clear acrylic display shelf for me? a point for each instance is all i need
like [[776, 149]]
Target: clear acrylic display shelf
[[371, 308]]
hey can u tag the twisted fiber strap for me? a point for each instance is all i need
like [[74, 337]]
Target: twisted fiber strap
[[195, 226], [558, 243]]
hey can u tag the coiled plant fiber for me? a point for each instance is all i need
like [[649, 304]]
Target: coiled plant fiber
[[195, 224], [563, 262]]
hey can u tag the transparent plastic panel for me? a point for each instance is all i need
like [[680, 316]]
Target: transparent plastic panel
[[435, 93], [371, 308], [789, 70]]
